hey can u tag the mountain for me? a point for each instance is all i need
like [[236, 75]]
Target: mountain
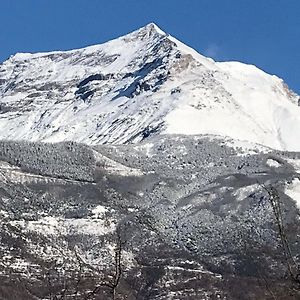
[[139, 169], [139, 85]]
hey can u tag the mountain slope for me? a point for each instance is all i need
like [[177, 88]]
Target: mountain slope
[[194, 221], [142, 84]]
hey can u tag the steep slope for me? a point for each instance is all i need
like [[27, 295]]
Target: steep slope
[[138, 85]]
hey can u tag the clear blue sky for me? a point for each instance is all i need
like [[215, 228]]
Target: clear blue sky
[[262, 32]]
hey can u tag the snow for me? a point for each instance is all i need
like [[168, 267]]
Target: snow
[[146, 148], [60, 226], [116, 168], [99, 210], [245, 148], [156, 28], [15, 174], [244, 192], [295, 163], [293, 190], [273, 163], [199, 96], [256, 109]]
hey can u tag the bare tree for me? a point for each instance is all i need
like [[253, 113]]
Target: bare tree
[[113, 283], [275, 201]]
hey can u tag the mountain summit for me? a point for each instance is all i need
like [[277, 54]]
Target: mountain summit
[[139, 85]]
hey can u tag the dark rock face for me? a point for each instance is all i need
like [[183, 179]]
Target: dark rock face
[[96, 77], [179, 217]]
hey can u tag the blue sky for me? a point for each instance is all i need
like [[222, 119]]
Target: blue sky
[[261, 32]]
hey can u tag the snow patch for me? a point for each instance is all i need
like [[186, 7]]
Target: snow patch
[[244, 192], [295, 163], [293, 191], [116, 168], [99, 211], [243, 147], [273, 163], [60, 226]]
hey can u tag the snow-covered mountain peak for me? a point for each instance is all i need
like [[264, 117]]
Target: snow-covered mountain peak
[[152, 28], [144, 83]]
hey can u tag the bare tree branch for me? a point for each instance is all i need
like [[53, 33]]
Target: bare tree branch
[[275, 201]]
